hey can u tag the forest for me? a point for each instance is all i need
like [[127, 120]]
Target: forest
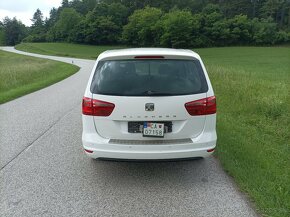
[[164, 23]]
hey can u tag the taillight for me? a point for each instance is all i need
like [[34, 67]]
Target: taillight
[[96, 107], [88, 151], [204, 106], [210, 150]]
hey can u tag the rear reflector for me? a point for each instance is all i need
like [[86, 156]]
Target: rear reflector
[[96, 107], [210, 150], [88, 151], [204, 106], [149, 57]]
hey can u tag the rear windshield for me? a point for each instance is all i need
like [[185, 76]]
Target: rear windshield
[[148, 78]]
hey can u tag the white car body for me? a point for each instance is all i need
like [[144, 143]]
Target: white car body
[[108, 137]]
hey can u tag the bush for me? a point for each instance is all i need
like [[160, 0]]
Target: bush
[[35, 38], [264, 31], [282, 37], [102, 31]]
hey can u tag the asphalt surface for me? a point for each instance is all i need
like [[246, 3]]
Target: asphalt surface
[[44, 171]]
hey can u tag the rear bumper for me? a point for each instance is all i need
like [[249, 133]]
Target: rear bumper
[[102, 148], [132, 154]]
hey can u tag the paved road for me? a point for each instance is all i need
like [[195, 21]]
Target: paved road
[[45, 173]]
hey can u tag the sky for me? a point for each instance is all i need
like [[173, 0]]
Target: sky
[[24, 9]]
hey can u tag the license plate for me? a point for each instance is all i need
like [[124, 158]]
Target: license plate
[[153, 129]]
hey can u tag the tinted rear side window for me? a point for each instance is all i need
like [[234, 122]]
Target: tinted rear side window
[[149, 77]]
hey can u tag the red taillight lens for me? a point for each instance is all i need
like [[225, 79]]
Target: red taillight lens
[[204, 106], [88, 151], [96, 107], [210, 150]]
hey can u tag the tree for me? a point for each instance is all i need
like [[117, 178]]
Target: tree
[[37, 30], [53, 15], [214, 28], [64, 4], [239, 27], [254, 7], [83, 6], [117, 12], [230, 8], [277, 10], [102, 25], [164, 5], [143, 27], [65, 27], [2, 35], [14, 31], [170, 23], [178, 27], [37, 20], [264, 31], [102, 31]]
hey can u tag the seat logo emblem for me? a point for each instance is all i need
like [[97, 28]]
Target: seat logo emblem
[[149, 107]]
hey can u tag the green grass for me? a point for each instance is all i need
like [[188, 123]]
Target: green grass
[[20, 75], [65, 49], [252, 89]]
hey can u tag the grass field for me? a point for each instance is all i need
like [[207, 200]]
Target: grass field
[[20, 75], [65, 49], [252, 89]]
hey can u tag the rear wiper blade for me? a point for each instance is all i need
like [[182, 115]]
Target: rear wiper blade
[[156, 93]]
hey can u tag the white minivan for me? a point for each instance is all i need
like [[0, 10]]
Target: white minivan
[[148, 104]]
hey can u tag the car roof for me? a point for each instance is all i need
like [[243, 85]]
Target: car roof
[[132, 52]]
